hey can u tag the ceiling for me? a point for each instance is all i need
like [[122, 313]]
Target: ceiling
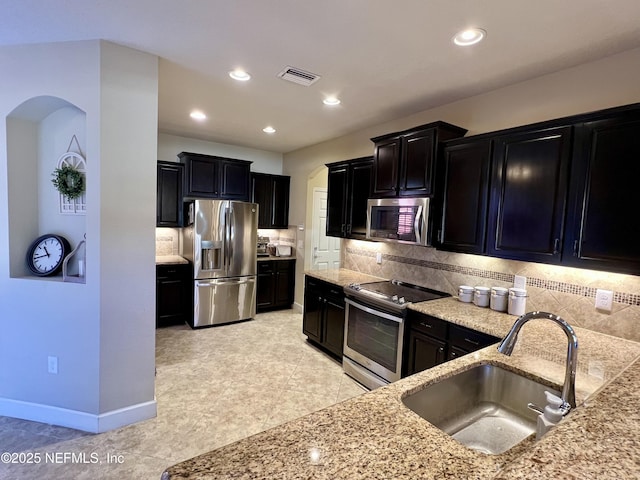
[[385, 59]]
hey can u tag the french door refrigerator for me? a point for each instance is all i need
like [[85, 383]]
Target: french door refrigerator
[[221, 243]]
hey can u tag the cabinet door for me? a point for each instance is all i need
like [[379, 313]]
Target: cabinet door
[[284, 282], [359, 192], [333, 338], [262, 194], [202, 177], [169, 194], [424, 352], [280, 201], [336, 198], [529, 194], [312, 316], [605, 228], [417, 163], [385, 169], [235, 180], [173, 295], [456, 352], [463, 223], [265, 289]]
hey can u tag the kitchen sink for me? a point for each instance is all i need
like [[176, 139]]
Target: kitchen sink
[[484, 408]]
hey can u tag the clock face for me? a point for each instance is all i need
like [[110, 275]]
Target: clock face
[[46, 254]]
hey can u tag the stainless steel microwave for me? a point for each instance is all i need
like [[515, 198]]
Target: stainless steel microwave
[[401, 220]]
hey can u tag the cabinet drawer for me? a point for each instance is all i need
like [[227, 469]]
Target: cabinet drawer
[[469, 340], [284, 265], [178, 271], [429, 325], [265, 266]]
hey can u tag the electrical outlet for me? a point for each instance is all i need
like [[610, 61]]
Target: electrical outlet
[[519, 281], [604, 300], [378, 258], [52, 365]]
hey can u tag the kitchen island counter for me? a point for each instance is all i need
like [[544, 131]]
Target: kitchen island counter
[[374, 436]]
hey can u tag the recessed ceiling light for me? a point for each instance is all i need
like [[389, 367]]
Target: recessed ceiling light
[[239, 74], [331, 101], [198, 115], [470, 36], [269, 130]]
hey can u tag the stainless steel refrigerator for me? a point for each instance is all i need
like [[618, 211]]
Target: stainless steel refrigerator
[[221, 243]]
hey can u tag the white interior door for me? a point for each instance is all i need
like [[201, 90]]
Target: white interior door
[[325, 250]]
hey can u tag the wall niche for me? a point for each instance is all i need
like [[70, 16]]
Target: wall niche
[[39, 131]]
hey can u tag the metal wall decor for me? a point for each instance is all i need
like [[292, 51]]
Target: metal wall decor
[[75, 160]]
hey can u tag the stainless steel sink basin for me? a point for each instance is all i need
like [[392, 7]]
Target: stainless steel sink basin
[[484, 408]]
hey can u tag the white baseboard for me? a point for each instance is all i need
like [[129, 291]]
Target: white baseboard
[[84, 421], [297, 307]]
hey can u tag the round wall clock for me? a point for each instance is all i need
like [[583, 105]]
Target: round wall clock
[[46, 254]]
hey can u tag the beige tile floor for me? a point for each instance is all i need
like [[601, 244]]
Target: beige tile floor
[[213, 386]]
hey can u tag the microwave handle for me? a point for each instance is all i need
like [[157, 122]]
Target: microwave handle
[[416, 224]]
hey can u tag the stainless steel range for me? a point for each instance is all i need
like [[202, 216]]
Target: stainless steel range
[[374, 328]]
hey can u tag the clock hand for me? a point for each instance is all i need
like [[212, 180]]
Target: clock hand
[[45, 250], [40, 256]]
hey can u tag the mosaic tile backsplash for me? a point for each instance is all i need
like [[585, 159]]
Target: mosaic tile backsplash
[[568, 292]]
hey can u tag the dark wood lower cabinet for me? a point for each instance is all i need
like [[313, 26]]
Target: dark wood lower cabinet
[[424, 352], [323, 318], [432, 341], [276, 283], [173, 294]]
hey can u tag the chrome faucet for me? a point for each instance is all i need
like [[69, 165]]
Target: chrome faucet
[[569, 387]]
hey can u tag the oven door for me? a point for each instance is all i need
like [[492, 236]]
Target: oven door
[[373, 339]]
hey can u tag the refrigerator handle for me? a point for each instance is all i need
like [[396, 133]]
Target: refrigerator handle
[[228, 236]]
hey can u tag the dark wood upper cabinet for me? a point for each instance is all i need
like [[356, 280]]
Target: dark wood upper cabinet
[[349, 187], [404, 162], [169, 194], [529, 187], [603, 225], [271, 193], [417, 163], [386, 167], [465, 196], [208, 176]]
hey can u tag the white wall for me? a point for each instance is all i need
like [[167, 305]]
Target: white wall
[[128, 146], [609, 82], [169, 146], [90, 327]]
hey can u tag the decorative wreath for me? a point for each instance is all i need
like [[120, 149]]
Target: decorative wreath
[[68, 181]]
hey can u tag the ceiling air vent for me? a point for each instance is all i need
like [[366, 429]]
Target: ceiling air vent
[[298, 76]]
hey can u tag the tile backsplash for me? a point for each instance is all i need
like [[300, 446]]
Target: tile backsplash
[[568, 292], [167, 241]]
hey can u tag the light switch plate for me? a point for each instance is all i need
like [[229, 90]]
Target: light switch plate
[[604, 300], [378, 258], [519, 281]]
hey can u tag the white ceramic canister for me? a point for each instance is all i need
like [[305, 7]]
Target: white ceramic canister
[[465, 293], [481, 296], [517, 301], [499, 297]]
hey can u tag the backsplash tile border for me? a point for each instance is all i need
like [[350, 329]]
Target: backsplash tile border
[[552, 285]]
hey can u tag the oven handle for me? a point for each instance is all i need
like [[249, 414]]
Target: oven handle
[[377, 313]]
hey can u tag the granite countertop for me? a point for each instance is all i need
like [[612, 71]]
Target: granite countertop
[[342, 276], [374, 436], [273, 257], [171, 260]]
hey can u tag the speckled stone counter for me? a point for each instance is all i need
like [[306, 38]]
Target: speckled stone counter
[[170, 260], [265, 258], [342, 276], [374, 436]]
